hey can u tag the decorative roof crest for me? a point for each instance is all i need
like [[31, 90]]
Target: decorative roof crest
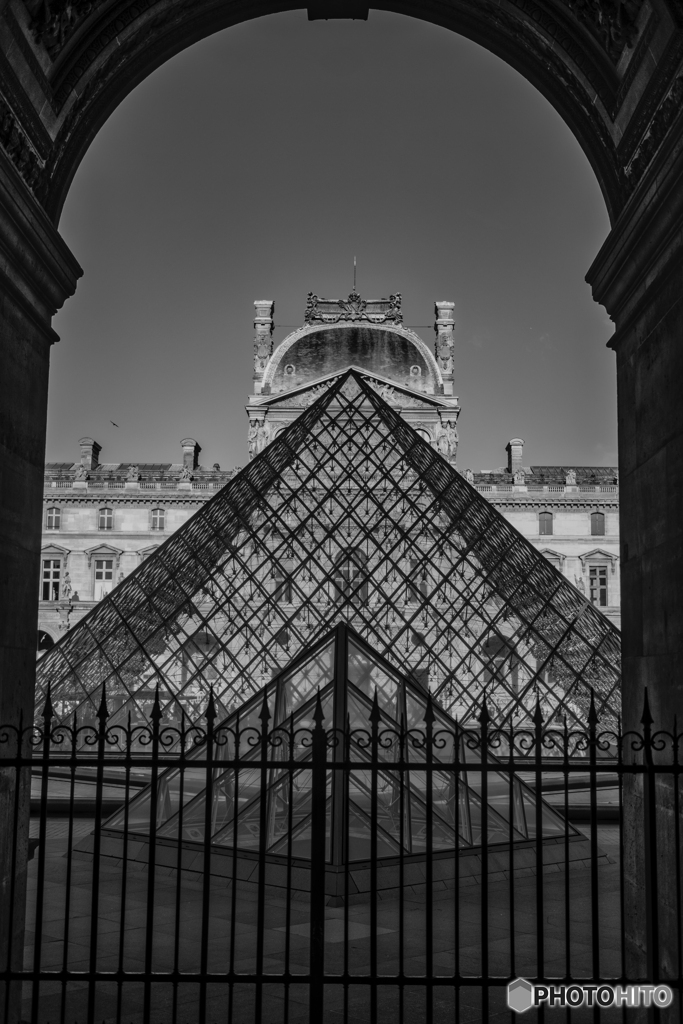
[[353, 309]]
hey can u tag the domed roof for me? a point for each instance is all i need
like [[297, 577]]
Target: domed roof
[[390, 351]]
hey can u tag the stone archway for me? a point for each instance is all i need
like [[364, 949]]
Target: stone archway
[[614, 71]]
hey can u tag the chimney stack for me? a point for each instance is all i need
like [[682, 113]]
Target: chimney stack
[[90, 453], [191, 450], [515, 450], [264, 311]]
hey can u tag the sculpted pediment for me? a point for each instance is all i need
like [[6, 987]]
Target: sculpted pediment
[[390, 391]]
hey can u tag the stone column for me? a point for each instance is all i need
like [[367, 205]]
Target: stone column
[[443, 346], [264, 311], [638, 277], [37, 273]]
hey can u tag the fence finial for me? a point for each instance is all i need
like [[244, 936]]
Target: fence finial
[[264, 713], [592, 713], [103, 713], [48, 710], [538, 714], [210, 710], [155, 713], [646, 717], [484, 714], [318, 716], [375, 716]]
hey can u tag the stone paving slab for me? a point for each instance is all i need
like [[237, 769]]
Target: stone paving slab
[[172, 893]]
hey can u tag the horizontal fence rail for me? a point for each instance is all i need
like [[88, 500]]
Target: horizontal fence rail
[[410, 873]]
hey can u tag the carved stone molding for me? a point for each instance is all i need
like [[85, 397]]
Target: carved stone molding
[[612, 22], [353, 309], [664, 116], [18, 148], [55, 21]]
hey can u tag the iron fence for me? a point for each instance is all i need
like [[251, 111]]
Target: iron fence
[[351, 907]]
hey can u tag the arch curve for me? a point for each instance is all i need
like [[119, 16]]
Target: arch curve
[[569, 60]]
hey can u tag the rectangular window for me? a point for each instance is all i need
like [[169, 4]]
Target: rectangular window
[[597, 524], [53, 519], [104, 577], [52, 571], [545, 523], [158, 519], [597, 575], [106, 519]]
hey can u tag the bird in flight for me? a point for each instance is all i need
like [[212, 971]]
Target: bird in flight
[[114, 424]]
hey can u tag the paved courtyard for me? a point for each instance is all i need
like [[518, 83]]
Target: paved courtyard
[[401, 944]]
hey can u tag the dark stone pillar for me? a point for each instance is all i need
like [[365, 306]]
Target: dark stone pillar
[[37, 273], [638, 277]]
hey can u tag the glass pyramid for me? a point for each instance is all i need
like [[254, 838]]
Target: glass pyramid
[[341, 681], [348, 514]]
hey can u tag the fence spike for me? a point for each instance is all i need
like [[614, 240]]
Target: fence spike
[[592, 713], [210, 710], [538, 714], [264, 713], [484, 714], [103, 712], [155, 713], [375, 716], [646, 717], [318, 716], [48, 710]]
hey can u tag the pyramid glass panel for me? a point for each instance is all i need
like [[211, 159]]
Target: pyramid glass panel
[[414, 806], [348, 515]]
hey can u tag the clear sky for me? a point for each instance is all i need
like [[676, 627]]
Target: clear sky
[[257, 163]]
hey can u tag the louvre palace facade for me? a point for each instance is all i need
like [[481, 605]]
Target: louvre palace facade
[[101, 519]]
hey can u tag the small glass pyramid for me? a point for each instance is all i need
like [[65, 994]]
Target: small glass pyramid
[[348, 514], [343, 681]]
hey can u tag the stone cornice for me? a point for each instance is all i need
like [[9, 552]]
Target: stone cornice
[[646, 244], [35, 262], [70, 497]]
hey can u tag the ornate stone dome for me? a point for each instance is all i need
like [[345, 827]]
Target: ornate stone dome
[[316, 351]]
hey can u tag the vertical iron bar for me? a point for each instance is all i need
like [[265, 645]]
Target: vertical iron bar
[[102, 716], [484, 719], [233, 893], [69, 869], [403, 781], [179, 871], [124, 871], [374, 779], [206, 867], [567, 885], [264, 717], [595, 906], [318, 816], [15, 837], [151, 861], [677, 864], [288, 896], [650, 827], [429, 866], [540, 917], [40, 882]]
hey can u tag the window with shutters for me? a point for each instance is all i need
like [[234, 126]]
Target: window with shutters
[[597, 524], [545, 523]]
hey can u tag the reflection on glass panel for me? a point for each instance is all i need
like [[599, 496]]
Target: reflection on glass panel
[[312, 675], [370, 678], [411, 778]]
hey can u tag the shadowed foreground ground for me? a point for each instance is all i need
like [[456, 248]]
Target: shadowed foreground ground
[[401, 936]]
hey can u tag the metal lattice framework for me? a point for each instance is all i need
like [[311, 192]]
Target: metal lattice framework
[[349, 514], [374, 722]]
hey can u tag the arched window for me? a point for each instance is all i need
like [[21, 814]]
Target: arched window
[[158, 519], [350, 576], [597, 524], [53, 520], [105, 519], [45, 641], [545, 523]]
